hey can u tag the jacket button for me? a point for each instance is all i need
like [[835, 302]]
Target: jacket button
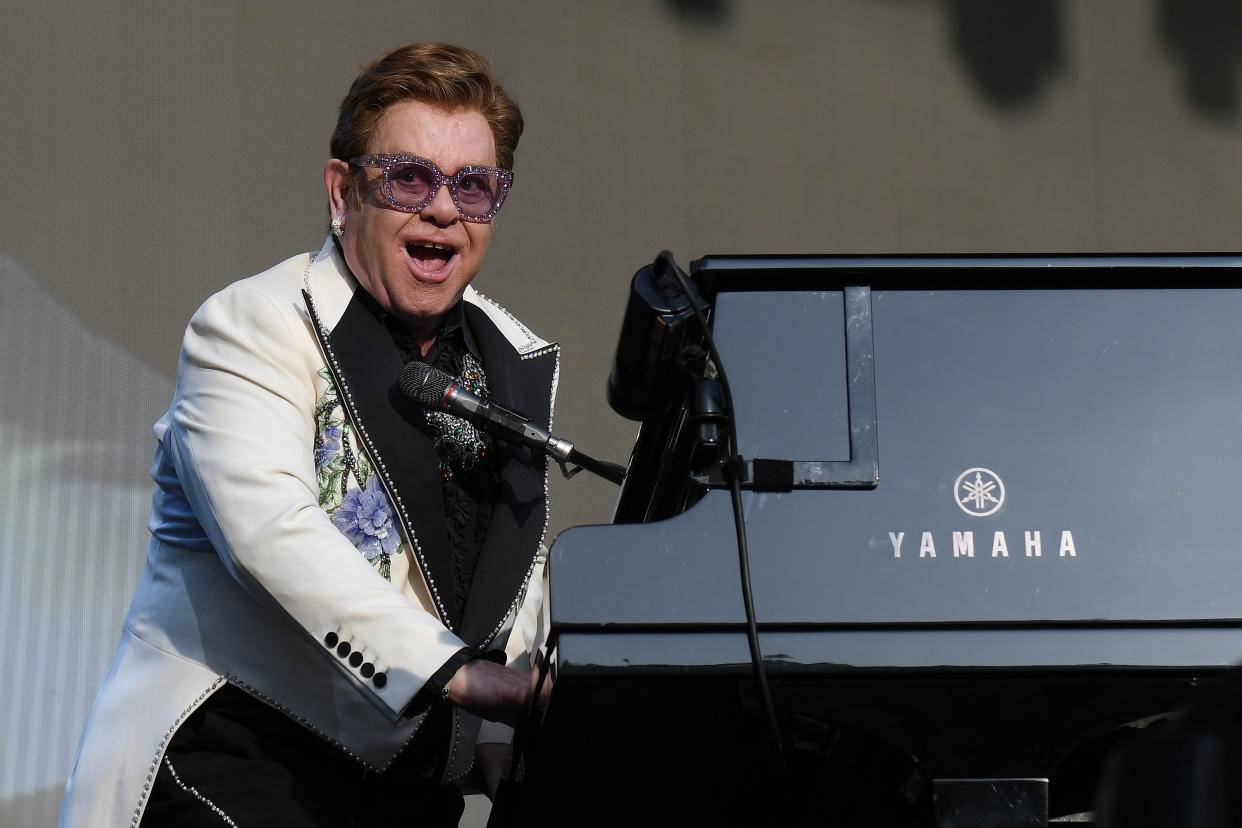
[[342, 649], [330, 640], [368, 670], [355, 658], [379, 679]]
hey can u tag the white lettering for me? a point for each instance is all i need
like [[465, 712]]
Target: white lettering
[[1000, 549], [964, 544], [895, 539]]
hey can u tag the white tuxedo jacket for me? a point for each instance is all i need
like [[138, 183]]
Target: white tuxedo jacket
[[248, 580]]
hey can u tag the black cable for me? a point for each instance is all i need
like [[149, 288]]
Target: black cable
[[533, 711], [734, 468]]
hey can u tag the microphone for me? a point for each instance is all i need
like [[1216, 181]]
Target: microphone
[[434, 389]]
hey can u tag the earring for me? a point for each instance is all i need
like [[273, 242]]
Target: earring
[[338, 226]]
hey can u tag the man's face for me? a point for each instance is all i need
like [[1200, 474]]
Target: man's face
[[415, 265]]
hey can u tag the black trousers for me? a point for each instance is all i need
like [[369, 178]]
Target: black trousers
[[237, 761]]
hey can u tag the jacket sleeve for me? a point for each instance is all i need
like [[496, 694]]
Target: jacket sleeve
[[241, 437]]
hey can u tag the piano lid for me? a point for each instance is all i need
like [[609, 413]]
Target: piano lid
[[1059, 455]]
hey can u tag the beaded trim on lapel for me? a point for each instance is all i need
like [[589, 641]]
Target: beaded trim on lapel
[[527, 351], [347, 401], [531, 339], [555, 350]]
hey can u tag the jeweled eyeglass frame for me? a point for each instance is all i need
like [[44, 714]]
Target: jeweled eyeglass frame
[[385, 162]]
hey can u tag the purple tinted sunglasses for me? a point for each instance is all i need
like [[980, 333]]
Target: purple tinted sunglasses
[[410, 183]]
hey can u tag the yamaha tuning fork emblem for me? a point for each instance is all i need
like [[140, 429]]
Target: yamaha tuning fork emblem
[[979, 492]]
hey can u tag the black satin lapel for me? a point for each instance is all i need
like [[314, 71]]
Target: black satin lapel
[[396, 435], [520, 514]]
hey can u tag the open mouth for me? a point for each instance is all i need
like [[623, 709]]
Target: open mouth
[[429, 256]]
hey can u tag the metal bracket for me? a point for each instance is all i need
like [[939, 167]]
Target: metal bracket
[[862, 470]]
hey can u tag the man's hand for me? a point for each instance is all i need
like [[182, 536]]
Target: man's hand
[[498, 694]]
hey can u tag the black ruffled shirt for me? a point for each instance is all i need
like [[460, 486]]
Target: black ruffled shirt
[[469, 489]]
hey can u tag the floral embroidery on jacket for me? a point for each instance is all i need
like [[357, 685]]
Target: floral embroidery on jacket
[[349, 490], [365, 517]]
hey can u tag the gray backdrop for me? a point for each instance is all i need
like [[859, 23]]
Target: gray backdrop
[[156, 151]]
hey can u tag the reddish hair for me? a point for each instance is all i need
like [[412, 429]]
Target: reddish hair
[[436, 73]]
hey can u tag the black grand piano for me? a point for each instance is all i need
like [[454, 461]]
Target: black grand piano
[[993, 513]]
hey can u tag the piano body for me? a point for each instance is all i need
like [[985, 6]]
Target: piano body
[[994, 523]]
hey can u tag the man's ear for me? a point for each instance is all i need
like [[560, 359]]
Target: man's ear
[[338, 178]]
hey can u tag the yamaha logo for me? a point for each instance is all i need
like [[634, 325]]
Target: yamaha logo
[[979, 492]]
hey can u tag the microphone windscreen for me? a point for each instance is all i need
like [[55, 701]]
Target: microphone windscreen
[[424, 385]]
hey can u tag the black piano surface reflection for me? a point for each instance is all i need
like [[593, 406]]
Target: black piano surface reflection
[[994, 529]]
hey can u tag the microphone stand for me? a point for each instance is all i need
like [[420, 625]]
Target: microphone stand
[[563, 451], [608, 471]]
